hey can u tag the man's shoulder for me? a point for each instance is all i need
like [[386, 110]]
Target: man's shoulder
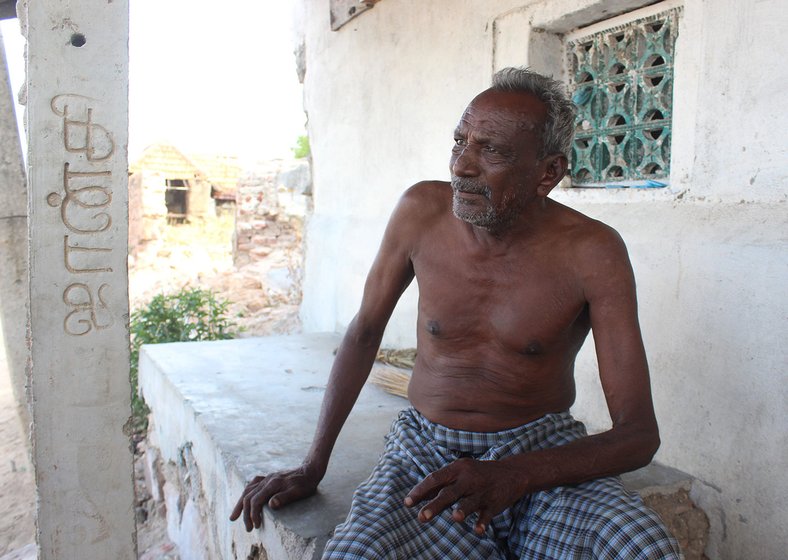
[[584, 231], [420, 208], [587, 242], [433, 193], [424, 202], [594, 251]]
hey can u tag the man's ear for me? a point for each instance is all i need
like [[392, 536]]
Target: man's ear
[[555, 167]]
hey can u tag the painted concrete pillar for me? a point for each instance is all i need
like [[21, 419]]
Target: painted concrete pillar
[[77, 122], [13, 245]]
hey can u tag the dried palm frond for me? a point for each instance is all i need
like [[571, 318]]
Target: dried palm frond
[[398, 357], [391, 379]]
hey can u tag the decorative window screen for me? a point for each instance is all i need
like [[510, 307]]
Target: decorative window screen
[[622, 84]]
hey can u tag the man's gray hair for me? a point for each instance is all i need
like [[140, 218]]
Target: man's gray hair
[[559, 127]]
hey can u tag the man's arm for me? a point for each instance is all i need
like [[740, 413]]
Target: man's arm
[[488, 487], [390, 275]]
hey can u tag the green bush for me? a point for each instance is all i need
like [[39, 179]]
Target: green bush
[[301, 149], [189, 315]]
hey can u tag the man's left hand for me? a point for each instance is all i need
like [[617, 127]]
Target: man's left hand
[[483, 487]]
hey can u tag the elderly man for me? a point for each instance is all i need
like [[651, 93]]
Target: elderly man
[[488, 463]]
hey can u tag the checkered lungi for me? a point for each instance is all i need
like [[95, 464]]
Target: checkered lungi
[[594, 520]]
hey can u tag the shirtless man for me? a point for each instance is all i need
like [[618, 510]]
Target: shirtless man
[[488, 463]]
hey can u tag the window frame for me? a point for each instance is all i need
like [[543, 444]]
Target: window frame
[[633, 121]]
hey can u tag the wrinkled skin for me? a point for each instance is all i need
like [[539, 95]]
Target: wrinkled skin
[[482, 487], [275, 491]]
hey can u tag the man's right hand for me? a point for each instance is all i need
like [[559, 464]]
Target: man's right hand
[[277, 490]]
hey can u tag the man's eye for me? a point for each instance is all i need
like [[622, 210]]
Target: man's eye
[[459, 141], [490, 149]]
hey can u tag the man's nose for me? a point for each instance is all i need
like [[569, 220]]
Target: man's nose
[[465, 163]]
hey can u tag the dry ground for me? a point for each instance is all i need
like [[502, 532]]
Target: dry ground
[[265, 297]]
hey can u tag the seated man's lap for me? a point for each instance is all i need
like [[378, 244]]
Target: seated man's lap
[[380, 526], [596, 519]]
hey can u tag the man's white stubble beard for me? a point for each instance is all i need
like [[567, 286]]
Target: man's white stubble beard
[[486, 218]]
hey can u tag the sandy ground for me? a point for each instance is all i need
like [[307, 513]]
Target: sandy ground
[[264, 298]]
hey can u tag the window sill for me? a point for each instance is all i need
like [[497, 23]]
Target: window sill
[[647, 184], [601, 193]]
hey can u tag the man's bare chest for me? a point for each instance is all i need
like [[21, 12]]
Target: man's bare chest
[[526, 302]]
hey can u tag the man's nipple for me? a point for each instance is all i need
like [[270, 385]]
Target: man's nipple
[[433, 328]]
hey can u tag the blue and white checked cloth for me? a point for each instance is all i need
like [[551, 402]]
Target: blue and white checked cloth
[[594, 520]]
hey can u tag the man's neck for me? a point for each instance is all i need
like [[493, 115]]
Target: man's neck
[[525, 225]]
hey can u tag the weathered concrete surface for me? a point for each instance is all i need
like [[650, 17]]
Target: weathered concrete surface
[[13, 244], [226, 411], [77, 120]]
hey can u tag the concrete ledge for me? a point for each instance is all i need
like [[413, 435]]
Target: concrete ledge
[[656, 479], [223, 412]]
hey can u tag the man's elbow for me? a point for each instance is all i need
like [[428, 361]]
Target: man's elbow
[[648, 444], [363, 334]]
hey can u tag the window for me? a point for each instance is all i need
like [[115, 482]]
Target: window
[[176, 197], [621, 79]]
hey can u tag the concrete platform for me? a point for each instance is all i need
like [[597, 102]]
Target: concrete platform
[[225, 411]]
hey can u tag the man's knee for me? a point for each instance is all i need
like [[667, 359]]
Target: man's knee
[[359, 547], [597, 520], [631, 531]]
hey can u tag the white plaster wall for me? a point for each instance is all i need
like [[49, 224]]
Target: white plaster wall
[[383, 95]]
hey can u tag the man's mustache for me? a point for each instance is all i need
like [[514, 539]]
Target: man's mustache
[[471, 186]]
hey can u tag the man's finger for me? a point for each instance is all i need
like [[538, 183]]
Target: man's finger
[[258, 500], [247, 509], [239, 507], [283, 498], [253, 505], [249, 488], [410, 502], [428, 488], [445, 498], [485, 517], [466, 507]]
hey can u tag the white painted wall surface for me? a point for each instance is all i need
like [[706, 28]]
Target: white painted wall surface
[[383, 95]]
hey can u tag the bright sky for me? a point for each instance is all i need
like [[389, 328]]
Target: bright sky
[[14, 52], [208, 77]]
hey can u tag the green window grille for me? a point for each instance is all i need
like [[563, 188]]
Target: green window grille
[[622, 83]]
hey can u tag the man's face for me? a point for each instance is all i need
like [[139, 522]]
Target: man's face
[[494, 164]]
